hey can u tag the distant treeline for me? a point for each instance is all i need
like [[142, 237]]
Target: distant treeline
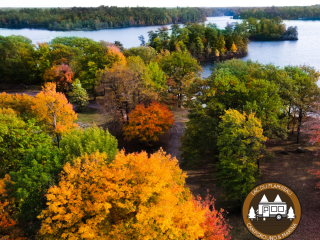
[[102, 17], [223, 11], [297, 12]]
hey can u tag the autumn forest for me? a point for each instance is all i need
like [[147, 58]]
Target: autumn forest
[[87, 127]]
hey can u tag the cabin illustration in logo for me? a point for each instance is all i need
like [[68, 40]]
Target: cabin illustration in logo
[[276, 209]]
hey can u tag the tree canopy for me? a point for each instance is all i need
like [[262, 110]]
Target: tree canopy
[[17, 138], [101, 17], [149, 123], [240, 144], [244, 86], [135, 196]]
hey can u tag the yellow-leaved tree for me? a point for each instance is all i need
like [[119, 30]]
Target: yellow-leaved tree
[[21, 104], [54, 111], [134, 197], [233, 48]]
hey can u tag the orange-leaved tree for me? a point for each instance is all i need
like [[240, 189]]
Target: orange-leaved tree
[[62, 75], [148, 123], [114, 55], [6, 205], [215, 226], [8, 226], [54, 111], [134, 197]]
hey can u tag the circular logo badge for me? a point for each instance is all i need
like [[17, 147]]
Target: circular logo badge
[[271, 211]]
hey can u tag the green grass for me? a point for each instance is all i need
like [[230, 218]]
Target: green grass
[[90, 116]]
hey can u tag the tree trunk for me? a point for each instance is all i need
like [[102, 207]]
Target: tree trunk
[[299, 124], [58, 140], [127, 111], [292, 128], [94, 94], [289, 119]]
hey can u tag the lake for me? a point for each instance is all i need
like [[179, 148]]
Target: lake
[[304, 51]]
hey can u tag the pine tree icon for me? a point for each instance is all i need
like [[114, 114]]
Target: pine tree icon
[[252, 214], [291, 214]]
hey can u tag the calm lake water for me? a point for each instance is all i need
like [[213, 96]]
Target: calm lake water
[[304, 51]]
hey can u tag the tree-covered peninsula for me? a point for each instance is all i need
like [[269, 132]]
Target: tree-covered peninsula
[[103, 17]]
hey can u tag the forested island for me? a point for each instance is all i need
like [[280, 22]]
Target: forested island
[[205, 41], [270, 29], [201, 40], [103, 17]]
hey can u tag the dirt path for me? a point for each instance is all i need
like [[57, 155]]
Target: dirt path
[[174, 141]]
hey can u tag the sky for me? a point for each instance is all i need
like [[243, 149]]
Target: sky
[[153, 3]]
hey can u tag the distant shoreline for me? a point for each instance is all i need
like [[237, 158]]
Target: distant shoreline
[[87, 29], [266, 39]]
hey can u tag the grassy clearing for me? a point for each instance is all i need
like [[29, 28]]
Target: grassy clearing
[[91, 116]]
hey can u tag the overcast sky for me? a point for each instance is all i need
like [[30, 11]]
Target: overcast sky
[[153, 3]]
